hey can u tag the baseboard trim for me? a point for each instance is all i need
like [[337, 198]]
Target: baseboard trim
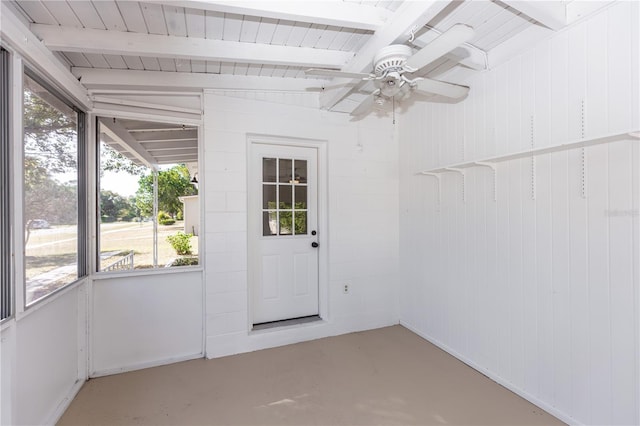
[[143, 365], [66, 401], [501, 381]]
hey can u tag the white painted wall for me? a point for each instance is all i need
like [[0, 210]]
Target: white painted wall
[[43, 359], [191, 214], [362, 219], [146, 320], [539, 289]]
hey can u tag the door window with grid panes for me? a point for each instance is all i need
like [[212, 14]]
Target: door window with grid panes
[[284, 196]]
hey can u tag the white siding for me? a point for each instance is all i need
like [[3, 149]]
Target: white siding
[[362, 219], [538, 289], [43, 359], [141, 321]]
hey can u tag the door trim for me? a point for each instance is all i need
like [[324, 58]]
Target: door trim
[[323, 222]]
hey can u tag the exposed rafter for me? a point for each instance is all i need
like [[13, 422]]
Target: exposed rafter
[[85, 40], [551, 14], [336, 13], [119, 134], [409, 15], [97, 79], [13, 31]]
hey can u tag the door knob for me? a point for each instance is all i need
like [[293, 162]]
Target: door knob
[[314, 244]]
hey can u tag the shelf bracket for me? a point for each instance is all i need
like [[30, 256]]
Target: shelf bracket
[[437, 176], [456, 170], [495, 176]]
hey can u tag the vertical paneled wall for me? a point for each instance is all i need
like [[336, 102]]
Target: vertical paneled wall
[[534, 281]]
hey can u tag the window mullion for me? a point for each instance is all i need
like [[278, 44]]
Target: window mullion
[[155, 218]]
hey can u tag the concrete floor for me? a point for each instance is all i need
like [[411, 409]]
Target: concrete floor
[[384, 376]]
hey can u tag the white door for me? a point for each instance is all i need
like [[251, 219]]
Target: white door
[[283, 232]]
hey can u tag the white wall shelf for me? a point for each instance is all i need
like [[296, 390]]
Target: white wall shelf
[[490, 162]]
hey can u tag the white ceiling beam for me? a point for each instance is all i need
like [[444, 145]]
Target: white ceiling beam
[[20, 39], [516, 44], [551, 14], [409, 15], [119, 134], [577, 10], [86, 40], [101, 79], [327, 12]]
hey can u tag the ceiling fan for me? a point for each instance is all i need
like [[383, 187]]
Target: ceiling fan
[[394, 64]]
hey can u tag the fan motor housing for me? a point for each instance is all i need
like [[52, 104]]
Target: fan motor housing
[[391, 57]]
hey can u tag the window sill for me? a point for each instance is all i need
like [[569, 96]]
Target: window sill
[[147, 272], [39, 304]]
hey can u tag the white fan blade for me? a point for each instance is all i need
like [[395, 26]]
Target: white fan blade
[[334, 73], [441, 88], [364, 107], [442, 45]]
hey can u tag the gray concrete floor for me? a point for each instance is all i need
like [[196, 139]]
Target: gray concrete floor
[[384, 376]]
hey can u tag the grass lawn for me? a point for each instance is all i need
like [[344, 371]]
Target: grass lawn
[[49, 249]]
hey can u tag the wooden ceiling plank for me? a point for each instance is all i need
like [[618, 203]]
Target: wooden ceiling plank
[[328, 12], [249, 30], [196, 26], [116, 61], [63, 14], [110, 15], [213, 67], [198, 65], [133, 62], [282, 32], [78, 59], [176, 21], [132, 16], [167, 64], [86, 12], [37, 12], [232, 27], [97, 60], [150, 64], [118, 43], [266, 30], [154, 18], [214, 25]]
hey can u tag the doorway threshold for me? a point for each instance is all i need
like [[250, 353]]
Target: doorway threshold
[[285, 323]]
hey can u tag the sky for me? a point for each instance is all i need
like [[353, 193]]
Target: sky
[[119, 182]]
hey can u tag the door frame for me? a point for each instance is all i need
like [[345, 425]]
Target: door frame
[[323, 223]]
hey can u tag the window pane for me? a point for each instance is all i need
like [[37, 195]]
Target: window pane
[[301, 222], [301, 197], [285, 171], [50, 191], [269, 197], [301, 171], [285, 223], [285, 196], [130, 216], [269, 169], [269, 223]]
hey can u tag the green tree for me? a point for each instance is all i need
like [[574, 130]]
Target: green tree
[[114, 207], [50, 133], [172, 183], [46, 198], [112, 160]]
